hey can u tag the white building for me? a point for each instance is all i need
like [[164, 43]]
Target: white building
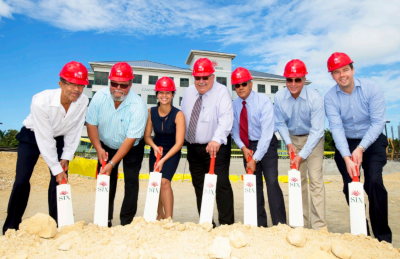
[[147, 73]]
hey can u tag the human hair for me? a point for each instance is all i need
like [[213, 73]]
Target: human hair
[[351, 65], [63, 80]]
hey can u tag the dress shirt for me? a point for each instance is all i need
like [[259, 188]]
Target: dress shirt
[[216, 115], [301, 116], [260, 113], [359, 115], [114, 125], [48, 120]]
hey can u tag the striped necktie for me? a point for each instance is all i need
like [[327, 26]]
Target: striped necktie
[[194, 119]]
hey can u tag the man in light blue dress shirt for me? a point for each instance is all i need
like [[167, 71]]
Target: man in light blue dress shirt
[[300, 119], [356, 112], [254, 130], [116, 120]]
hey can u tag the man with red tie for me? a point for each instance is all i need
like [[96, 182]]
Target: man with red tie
[[253, 129]]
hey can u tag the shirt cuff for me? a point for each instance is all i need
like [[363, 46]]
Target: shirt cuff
[[220, 141], [304, 153], [365, 143], [345, 153], [257, 155], [67, 155], [56, 169]]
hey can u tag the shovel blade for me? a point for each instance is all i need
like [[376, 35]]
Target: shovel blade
[[358, 222], [250, 200], [153, 195], [101, 203], [208, 199], [65, 214], [295, 199]]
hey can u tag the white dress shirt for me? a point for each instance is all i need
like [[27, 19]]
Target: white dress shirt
[[216, 115], [48, 120]]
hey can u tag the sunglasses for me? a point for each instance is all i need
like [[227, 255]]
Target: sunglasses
[[237, 86], [122, 86], [297, 80], [205, 78]]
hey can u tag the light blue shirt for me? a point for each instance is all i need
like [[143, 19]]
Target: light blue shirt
[[260, 114], [360, 115], [301, 116], [114, 125]]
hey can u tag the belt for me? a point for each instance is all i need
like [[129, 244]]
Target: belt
[[301, 135]]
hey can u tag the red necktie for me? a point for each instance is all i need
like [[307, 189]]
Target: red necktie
[[244, 126]]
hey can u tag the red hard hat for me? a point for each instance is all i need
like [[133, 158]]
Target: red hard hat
[[75, 72], [295, 68], [203, 67], [165, 84], [240, 75], [338, 59], [121, 71]]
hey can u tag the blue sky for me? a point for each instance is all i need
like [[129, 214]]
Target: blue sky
[[38, 37]]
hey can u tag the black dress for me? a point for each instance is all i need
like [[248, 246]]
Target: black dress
[[165, 136]]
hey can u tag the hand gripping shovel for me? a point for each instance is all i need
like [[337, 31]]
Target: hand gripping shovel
[[65, 214], [153, 193], [358, 221], [102, 197], [295, 196], [250, 197], [207, 202]]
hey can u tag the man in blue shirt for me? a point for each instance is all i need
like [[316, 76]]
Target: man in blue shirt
[[253, 129], [356, 112], [116, 120], [300, 119]]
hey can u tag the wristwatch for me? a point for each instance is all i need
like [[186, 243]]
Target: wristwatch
[[112, 163], [256, 160], [362, 148]]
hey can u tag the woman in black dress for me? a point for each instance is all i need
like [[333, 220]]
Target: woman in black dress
[[168, 124]]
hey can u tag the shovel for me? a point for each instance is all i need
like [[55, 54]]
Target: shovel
[[358, 221], [153, 193], [102, 198], [65, 214], [207, 202], [250, 197], [295, 196]]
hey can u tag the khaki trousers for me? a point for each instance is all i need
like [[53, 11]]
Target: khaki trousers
[[312, 165]]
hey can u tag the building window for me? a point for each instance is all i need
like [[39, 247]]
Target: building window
[[151, 99], [137, 79], [140, 95], [180, 101], [171, 78], [153, 80], [221, 80], [261, 88], [172, 102], [93, 93], [184, 82], [90, 84], [233, 88], [100, 78], [90, 99], [274, 89]]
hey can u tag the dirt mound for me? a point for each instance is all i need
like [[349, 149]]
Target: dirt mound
[[167, 239]]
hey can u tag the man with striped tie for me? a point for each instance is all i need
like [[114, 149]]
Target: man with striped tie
[[207, 107], [116, 120], [253, 129]]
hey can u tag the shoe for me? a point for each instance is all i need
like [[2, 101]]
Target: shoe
[[109, 223]]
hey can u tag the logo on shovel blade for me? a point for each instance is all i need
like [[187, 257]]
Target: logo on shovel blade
[[210, 185], [63, 193], [294, 179], [249, 184], [154, 184], [103, 184], [355, 193]]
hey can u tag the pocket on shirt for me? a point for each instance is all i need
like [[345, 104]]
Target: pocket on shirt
[[205, 115], [123, 129]]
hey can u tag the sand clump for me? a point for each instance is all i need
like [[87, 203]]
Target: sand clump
[[167, 239]]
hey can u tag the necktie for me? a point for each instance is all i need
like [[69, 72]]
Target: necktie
[[194, 119], [244, 126]]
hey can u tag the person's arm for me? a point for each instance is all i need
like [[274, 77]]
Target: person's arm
[[225, 122], [281, 125], [71, 139], [45, 141], [317, 127], [338, 133], [122, 151], [179, 139]]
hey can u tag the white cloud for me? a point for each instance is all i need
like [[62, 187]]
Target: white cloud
[[272, 32]]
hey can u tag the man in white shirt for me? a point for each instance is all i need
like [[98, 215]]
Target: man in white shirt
[[52, 129], [207, 107]]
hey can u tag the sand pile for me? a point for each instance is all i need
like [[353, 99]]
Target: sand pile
[[168, 239]]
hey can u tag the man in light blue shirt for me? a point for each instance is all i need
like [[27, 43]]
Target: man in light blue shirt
[[116, 120], [300, 118], [356, 112], [253, 130]]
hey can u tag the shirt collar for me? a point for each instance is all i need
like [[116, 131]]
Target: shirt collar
[[356, 83]]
